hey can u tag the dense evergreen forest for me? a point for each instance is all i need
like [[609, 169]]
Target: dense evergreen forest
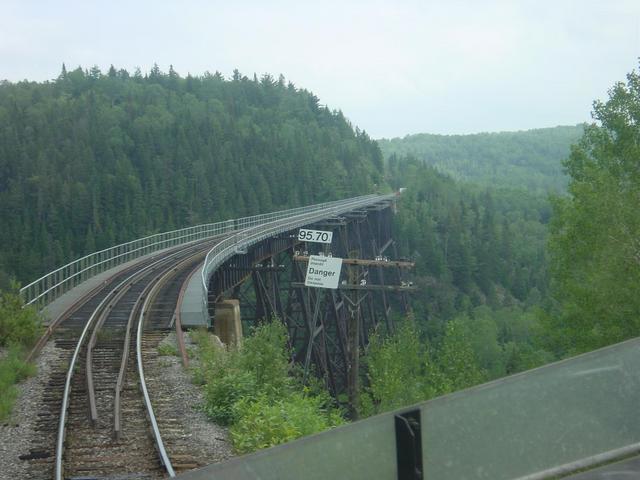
[[531, 159], [482, 273], [472, 246], [92, 159]]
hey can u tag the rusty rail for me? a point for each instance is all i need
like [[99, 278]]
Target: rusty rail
[[151, 289], [117, 423], [44, 338], [93, 411], [90, 323]]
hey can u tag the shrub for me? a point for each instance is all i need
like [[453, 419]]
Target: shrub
[[397, 367], [252, 389], [264, 422], [259, 367], [223, 391], [18, 325], [266, 355]]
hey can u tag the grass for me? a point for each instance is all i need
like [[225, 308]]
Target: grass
[[167, 349], [12, 370], [19, 328]]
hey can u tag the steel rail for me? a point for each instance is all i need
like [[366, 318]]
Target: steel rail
[[125, 357], [44, 338], [164, 457], [249, 233], [166, 243], [160, 279], [76, 353], [93, 411]]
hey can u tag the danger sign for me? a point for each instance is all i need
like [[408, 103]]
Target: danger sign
[[323, 272]]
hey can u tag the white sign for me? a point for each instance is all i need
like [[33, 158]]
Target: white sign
[[323, 272], [319, 236]]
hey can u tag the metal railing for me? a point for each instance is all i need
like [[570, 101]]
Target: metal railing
[[47, 288], [272, 224]]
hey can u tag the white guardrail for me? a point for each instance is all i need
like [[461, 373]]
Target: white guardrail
[[254, 232], [47, 288]]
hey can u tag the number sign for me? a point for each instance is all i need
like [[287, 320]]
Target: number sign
[[318, 236]]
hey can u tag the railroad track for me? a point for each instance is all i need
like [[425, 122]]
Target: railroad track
[[97, 415]]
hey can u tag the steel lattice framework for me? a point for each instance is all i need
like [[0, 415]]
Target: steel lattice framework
[[327, 327]]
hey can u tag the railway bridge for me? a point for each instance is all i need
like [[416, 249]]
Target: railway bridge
[[224, 275], [109, 311]]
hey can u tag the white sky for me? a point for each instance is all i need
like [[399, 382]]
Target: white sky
[[393, 67]]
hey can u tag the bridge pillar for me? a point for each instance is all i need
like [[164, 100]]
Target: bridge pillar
[[227, 324]]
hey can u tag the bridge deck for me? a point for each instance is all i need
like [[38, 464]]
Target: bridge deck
[[61, 304], [66, 300], [191, 307]]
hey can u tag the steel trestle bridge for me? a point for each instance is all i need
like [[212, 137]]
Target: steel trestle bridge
[[118, 304]]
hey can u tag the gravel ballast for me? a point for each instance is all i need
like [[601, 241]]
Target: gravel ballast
[[18, 433], [182, 400]]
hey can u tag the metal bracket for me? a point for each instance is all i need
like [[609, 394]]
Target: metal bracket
[[409, 445]]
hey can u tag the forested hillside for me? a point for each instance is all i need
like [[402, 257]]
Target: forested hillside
[[93, 159], [531, 159], [483, 287], [487, 306], [485, 246], [482, 278]]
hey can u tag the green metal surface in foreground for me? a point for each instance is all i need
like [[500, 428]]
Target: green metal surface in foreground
[[360, 450], [510, 428], [537, 420]]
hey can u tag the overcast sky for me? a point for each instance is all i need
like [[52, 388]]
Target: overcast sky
[[393, 67]]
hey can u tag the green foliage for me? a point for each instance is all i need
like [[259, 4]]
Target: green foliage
[[459, 367], [259, 368], [131, 155], [253, 390], [401, 370], [471, 246], [485, 344], [594, 244], [167, 349], [398, 368], [529, 160], [265, 355], [19, 328], [18, 325], [12, 369], [264, 422], [481, 273], [224, 390]]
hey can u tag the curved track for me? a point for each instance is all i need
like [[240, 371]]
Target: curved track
[[97, 418], [95, 412], [117, 440]]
